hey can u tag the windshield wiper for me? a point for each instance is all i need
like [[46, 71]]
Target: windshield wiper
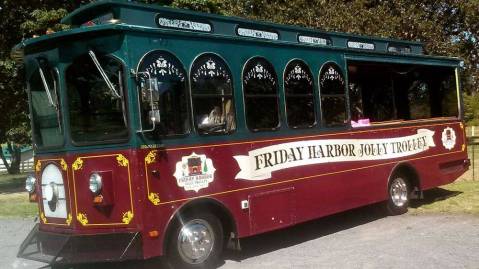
[[108, 82], [46, 87]]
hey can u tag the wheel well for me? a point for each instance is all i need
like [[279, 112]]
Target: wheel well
[[203, 205], [411, 176]]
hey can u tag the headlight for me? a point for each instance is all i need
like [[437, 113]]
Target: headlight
[[30, 184], [95, 183]]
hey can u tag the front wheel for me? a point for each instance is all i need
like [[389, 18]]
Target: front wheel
[[398, 190], [196, 242]]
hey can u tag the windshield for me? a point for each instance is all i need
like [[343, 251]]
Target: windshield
[[43, 87], [96, 115]]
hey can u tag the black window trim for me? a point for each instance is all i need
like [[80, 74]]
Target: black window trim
[[189, 105], [345, 95], [191, 95], [312, 94], [124, 105], [278, 127]]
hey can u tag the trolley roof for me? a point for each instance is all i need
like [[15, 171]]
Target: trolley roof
[[122, 15]]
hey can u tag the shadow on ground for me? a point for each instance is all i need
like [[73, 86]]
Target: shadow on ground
[[434, 195], [284, 238], [12, 183]]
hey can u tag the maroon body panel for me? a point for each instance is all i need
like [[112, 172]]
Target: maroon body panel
[[150, 185]]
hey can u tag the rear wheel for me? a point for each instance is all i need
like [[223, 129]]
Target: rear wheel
[[196, 242], [398, 190]]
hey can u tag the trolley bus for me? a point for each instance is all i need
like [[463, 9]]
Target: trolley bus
[[161, 131]]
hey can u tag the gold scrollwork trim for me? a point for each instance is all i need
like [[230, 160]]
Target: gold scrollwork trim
[[122, 160], [127, 217], [78, 164], [82, 219], [38, 166], [154, 198], [150, 157], [463, 147], [68, 221], [63, 164], [43, 218]]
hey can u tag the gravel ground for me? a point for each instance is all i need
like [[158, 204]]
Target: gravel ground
[[361, 238]]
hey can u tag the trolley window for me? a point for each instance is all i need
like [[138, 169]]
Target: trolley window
[[333, 98], [95, 91], [384, 92], [212, 88], [43, 89], [164, 98], [260, 88], [298, 86]]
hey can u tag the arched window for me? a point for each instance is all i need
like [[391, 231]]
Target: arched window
[[298, 87], [260, 88], [212, 95], [164, 94], [333, 98]]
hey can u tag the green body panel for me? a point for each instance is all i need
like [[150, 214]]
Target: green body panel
[[137, 34]]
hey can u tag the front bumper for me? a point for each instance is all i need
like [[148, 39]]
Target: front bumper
[[54, 248]]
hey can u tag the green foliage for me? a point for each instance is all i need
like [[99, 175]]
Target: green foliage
[[471, 109], [210, 6], [42, 19]]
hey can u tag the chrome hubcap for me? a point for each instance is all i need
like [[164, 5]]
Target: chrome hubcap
[[398, 192], [195, 241]]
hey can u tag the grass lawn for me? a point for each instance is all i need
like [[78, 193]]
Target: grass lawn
[[16, 205], [13, 197], [460, 197]]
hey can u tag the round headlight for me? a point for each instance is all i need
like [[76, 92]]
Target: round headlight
[[30, 184], [95, 183]]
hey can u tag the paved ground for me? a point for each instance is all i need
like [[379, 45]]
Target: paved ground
[[361, 238]]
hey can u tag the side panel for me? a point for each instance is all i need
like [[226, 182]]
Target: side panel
[[272, 210], [302, 191]]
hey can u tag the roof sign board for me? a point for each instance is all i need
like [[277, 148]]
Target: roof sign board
[[163, 21], [360, 45], [314, 40], [257, 33]]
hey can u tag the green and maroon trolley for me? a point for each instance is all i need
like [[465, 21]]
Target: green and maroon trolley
[[160, 131]]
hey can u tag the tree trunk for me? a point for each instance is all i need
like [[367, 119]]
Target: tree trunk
[[15, 159]]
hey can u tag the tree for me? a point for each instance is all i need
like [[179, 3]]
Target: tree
[[20, 19]]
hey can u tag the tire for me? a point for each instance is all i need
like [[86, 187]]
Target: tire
[[398, 194], [202, 237]]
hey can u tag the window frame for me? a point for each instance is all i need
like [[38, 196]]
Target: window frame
[[313, 95], [189, 110], [404, 60], [58, 95], [278, 126], [345, 95], [124, 101], [206, 96]]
